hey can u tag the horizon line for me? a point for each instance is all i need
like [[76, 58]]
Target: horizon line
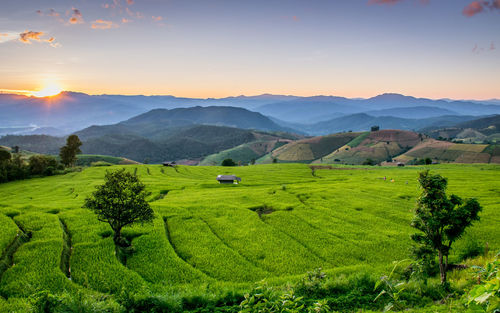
[[30, 93]]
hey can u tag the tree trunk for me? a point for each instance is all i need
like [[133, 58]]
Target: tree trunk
[[442, 268], [117, 237]]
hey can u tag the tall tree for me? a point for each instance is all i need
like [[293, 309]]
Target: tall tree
[[70, 150], [120, 201], [440, 220]]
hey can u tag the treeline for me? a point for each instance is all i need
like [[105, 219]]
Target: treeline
[[14, 167]]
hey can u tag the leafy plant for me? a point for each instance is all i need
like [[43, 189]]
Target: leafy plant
[[485, 297], [391, 288]]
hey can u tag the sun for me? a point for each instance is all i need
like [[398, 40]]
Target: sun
[[48, 91]]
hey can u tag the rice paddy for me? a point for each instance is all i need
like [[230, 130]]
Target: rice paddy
[[282, 221]]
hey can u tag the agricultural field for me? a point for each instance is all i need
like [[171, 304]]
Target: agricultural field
[[280, 222]]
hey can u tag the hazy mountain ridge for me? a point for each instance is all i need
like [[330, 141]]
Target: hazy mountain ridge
[[71, 111]]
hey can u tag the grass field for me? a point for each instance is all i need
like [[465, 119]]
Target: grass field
[[280, 222]]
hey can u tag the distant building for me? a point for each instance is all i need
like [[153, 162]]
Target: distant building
[[401, 164], [228, 179], [375, 128], [170, 164]]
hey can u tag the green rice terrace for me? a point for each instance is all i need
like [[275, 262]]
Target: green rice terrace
[[211, 243]]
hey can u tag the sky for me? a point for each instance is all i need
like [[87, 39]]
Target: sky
[[218, 48]]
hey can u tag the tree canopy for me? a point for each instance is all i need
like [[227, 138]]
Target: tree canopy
[[70, 150], [120, 201], [440, 219]]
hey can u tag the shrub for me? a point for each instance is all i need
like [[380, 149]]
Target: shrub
[[228, 162]]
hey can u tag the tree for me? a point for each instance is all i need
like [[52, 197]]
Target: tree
[[120, 201], [42, 165], [440, 220], [228, 162], [70, 150]]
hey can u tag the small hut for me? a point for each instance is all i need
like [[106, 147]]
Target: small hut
[[169, 164], [228, 179]]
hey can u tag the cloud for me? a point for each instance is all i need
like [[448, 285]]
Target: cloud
[[157, 18], [480, 6], [473, 8], [125, 21], [76, 17], [29, 36], [134, 14], [130, 2], [4, 37], [102, 24], [478, 49], [51, 13]]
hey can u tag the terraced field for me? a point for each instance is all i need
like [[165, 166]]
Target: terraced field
[[280, 222]]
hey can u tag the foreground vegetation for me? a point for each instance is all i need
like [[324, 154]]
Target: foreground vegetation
[[236, 247]]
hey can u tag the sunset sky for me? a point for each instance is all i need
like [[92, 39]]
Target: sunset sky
[[215, 48]]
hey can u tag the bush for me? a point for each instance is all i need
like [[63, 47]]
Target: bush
[[42, 165], [100, 163], [228, 162]]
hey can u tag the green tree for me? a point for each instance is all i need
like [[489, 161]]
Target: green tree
[[42, 165], [120, 201], [70, 150], [5, 156], [228, 162], [440, 220]]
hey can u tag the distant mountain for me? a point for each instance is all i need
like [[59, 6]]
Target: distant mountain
[[363, 122], [163, 134], [310, 109], [483, 130], [313, 109], [413, 112], [492, 122], [213, 115], [70, 111]]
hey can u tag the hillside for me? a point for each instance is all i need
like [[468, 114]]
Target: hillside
[[190, 142], [218, 241], [363, 122], [378, 146], [307, 150], [213, 115], [483, 130], [445, 151]]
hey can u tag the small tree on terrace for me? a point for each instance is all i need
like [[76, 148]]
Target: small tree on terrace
[[440, 220], [70, 150], [120, 201]]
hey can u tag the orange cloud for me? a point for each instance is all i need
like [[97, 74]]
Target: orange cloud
[[102, 24], [28, 36], [130, 2], [157, 18], [474, 8], [479, 6], [76, 17], [125, 21]]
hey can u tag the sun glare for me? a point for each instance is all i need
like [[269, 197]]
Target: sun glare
[[48, 91]]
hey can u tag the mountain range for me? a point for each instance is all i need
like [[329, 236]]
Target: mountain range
[[72, 111]]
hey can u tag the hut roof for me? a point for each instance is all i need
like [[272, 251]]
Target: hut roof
[[228, 177]]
